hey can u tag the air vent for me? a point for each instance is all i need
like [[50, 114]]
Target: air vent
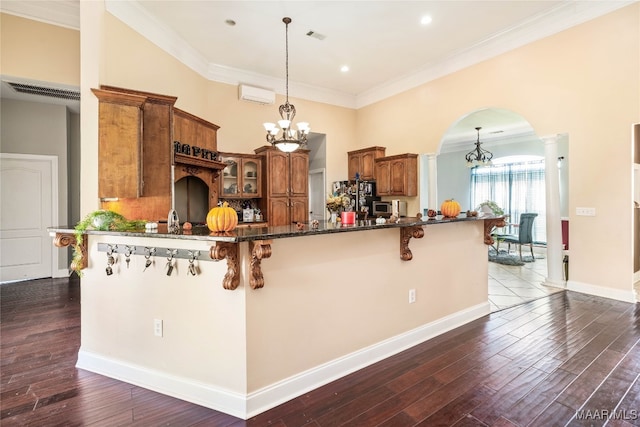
[[315, 35], [46, 91]]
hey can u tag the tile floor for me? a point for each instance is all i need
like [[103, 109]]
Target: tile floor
[[512, 285]]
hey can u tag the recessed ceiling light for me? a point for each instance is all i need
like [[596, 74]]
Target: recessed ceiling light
[[426, 20], [344, 68], [230, 22]]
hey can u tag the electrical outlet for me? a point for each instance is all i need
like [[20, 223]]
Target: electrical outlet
[[586, 211], [157, 327], [412, 296]]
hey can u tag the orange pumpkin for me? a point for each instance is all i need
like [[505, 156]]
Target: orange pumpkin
[[450, 208], [222, 218]]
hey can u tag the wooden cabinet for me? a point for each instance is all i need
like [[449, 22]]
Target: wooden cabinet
[[285, 184], [192, 130], [242, 177], [397, 175], [363, 162], [141, 135], [134, 133]]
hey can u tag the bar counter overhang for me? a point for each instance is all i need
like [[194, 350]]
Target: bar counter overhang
[[274, 311]]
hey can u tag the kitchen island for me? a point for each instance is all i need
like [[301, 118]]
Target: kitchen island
[[244, 321]]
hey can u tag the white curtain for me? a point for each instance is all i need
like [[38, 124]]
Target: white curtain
[[516, 188]]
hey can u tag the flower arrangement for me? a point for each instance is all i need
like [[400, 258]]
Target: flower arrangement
[[338, 202], [491, 205]]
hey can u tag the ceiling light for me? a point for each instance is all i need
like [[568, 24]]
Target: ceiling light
[[426, 20], [478, 156], [291, 139]]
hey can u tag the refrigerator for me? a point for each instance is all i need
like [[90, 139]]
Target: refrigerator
[[361, 193]]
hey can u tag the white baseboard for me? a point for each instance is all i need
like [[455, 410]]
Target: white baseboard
[[246, 406], [61, 273], [555, 283], [601, 291], [179, 387]]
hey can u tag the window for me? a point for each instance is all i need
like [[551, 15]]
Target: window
[[517, 185]]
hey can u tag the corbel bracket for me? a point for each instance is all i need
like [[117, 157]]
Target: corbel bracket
[[63, 240], [406, 233], [260, 249], [229, 251], [489, 225]]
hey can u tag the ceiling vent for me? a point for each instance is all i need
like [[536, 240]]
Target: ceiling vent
[[316, 35], [256, 94], [71, 95]]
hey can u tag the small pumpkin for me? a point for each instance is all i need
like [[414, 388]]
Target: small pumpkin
[[450, 208], [222, 218]]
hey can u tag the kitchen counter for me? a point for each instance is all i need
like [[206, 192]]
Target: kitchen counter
[[260, 231], [323, 303]]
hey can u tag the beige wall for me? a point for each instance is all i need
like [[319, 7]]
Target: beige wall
[[37, 51], [240, 121], [584, 82]]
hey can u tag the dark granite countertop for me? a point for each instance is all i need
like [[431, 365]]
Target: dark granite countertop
[[245, 234]]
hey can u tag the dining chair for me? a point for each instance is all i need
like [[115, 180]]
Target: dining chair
[[524, 236]]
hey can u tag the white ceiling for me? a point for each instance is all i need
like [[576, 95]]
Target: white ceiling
[[382, 42]]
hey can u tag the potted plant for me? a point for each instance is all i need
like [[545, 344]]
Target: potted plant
[[489, 207]]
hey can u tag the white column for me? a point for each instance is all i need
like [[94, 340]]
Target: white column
[[433, 181], [554, 225]]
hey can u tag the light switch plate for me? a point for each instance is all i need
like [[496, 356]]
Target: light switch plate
[[586, 211]]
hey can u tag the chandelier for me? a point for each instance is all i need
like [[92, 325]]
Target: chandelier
[[290, 139], [478, 156]]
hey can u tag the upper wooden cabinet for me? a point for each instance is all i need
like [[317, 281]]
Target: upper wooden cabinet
[[133, 142], [242, 176], [192, 130], [363, 162], [141, 135], [285, 185], [397, 175], [119, 144]]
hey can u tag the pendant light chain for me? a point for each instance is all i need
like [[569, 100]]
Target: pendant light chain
[[286, 50]]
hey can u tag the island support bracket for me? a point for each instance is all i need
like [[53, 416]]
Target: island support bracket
[[406, 233], [260, 249], [229, 251], [63, 240], [489, 225]]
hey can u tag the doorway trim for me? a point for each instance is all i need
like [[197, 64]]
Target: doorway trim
[[318, 192]]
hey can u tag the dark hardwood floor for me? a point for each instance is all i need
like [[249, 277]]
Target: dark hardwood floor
[[544, 363]]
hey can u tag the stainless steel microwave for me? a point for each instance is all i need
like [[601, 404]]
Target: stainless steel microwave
[[385, 209]]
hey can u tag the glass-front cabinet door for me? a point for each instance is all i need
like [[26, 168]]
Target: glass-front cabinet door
[[251, 182], [230, 182], [241, 178]]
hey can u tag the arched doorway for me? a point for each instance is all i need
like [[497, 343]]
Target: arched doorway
[[504, 133]]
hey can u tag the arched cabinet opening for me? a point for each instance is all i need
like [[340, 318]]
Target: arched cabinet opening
[[192, 199]]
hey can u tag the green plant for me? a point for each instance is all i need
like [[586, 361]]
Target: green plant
[[497, 210], [100, 220]]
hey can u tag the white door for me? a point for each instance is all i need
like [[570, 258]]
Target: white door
[[28, 205], [317, 206]]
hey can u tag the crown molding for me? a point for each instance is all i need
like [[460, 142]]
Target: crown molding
[[564, 16], [61, 13]]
